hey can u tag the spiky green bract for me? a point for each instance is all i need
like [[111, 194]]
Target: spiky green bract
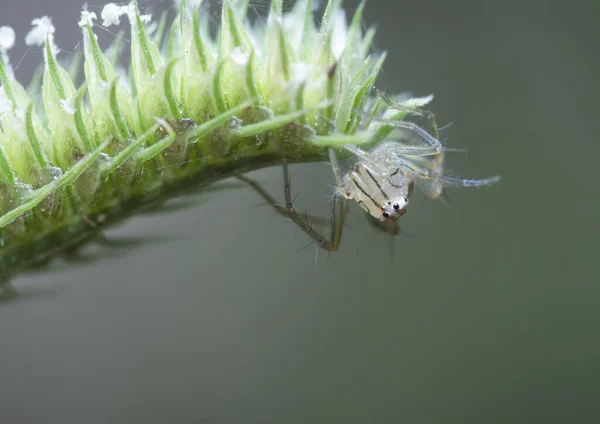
[[192, 109]]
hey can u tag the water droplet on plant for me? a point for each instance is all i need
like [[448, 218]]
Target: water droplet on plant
[[235, 123], [52, 173]]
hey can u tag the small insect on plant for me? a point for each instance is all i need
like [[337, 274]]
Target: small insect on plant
[[382, 178]]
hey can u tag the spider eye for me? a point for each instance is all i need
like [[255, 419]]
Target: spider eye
[[396, 206], [386, 215]]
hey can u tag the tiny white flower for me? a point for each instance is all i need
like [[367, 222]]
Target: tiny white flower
[[111, 14], [7, 38], [87, 19], [42, 29], [132, 11]]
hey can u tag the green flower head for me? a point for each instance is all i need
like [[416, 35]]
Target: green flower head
[[189, 109]]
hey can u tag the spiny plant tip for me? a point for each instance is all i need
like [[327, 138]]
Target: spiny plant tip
[[189, 109]]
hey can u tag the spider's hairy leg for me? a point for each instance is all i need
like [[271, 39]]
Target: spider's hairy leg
[[414, 110], [337, 173], [425, 174], [432, 188], [303, 220], [337, 216], [366, 157]]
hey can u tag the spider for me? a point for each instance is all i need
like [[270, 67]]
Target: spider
[[380, 181]]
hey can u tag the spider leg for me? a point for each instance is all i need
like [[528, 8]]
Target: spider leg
[[302, 220], [262, 193], [445, 180], [414, 110], [337, 222], [435, 144], [279, 208], [433, 188], [431, 178], [365, 156], [337, 173]]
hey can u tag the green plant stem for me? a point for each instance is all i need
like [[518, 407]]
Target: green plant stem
[[34, 250]]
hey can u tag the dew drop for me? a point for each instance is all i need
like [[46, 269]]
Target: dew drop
[[52, 173], [235, 123]]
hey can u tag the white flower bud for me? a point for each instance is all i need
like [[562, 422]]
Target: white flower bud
[[7, 38]]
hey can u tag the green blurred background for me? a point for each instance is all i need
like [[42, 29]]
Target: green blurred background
[[487, 313]]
